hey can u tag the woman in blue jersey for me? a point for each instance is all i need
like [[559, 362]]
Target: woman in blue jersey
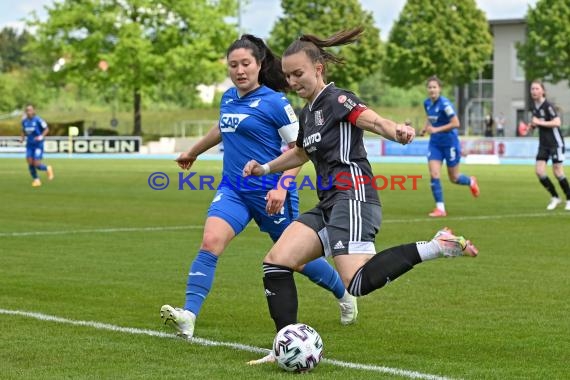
[[442, 124], [254, 118], [34, 129]]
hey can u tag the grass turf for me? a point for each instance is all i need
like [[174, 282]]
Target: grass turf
[[501, 315]]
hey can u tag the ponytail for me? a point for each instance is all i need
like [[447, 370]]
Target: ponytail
[[314, 46], [270, 74]]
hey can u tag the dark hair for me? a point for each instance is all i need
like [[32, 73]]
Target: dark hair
[[435, 79], [313, 46], [271, 74]]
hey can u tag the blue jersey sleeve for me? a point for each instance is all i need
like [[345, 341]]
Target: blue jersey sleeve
[[447, 108], [285, 119], [43, 123]]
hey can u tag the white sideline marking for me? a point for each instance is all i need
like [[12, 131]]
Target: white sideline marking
[[212, 343], [196, 227], [100, 231], [477, 217]]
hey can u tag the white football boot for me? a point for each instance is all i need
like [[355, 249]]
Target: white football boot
[[453, 246], [348, 309], [182, 320], [554, 202]]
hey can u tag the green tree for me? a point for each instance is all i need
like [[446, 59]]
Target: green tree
[[324, 18], [448, 38], [376, 92], [546, 52], [135, 44], [12, 48], [18, 88]]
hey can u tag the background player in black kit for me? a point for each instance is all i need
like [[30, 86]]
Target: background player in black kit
[[550, 145], [347, 218]]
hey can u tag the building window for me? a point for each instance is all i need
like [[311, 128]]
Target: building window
[[516, 68]]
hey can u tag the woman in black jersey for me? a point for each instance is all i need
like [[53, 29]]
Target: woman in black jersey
[[550, 146], [348, 216]]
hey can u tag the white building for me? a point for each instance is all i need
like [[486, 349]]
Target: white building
[[503, 88]]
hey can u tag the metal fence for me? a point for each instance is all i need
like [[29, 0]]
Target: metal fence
[[188, 128]]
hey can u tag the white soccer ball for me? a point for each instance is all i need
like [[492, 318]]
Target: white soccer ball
[[298, 348]]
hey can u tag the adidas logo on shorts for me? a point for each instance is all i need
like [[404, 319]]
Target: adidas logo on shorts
[[339, 245], [268, 293]]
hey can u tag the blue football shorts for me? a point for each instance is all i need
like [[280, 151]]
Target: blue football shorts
[[451, 153], [238, 208], [35, 151]]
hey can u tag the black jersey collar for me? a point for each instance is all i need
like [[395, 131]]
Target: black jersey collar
[[319, 94], [538, 105]]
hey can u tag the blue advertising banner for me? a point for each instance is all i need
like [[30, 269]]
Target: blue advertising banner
[[416, 148]]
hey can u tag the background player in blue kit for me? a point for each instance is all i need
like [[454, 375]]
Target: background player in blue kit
[[442, 124], [34, 129], [550, 146], [254, 119]]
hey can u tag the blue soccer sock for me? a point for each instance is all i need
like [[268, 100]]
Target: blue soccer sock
[[33, 171], [463, 180], [436, 190], [323, 274], [41, 167], [200, 280]]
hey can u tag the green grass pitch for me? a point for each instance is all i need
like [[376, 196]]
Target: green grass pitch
[[96, 245]]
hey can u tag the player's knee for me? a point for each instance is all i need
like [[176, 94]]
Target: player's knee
[[271, 257], [213, 242], [275, 256], [558, 171], [434, 175]]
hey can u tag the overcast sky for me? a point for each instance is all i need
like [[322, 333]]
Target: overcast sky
[[258, 16]]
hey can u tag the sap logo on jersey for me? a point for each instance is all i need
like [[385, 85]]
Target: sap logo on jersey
[[311, 139], [230, 121]]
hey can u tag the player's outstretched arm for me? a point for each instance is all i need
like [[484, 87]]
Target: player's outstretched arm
[[372, 122], [211, 139], [288, 160]]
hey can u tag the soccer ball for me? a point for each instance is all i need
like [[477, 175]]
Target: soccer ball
[[298, 348]]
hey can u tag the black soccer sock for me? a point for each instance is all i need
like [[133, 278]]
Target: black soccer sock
[[383, 268], [548, 185], [281, 294], [563, 182]]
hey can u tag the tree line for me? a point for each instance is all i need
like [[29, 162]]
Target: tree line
[[164, 49]]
